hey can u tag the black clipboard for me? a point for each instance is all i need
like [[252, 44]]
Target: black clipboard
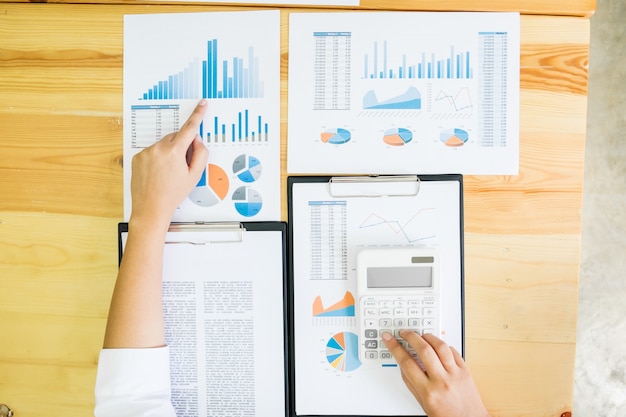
[[329, 217], [230, 302]]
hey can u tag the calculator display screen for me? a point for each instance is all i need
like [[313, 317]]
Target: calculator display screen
[[400, 277]]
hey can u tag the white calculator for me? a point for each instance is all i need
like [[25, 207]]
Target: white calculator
[[397, 289]]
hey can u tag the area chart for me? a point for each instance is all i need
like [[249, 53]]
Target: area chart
[[342, 308]]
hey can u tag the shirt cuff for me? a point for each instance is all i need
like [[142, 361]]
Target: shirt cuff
[[133, 382]]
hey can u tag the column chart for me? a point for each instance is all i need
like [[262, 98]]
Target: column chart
[[215, 78], [416, 64]]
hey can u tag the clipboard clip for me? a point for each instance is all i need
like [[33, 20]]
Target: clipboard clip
[[201, 233], [374, 186]]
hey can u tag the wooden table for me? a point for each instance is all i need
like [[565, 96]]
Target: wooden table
[[61, 199]]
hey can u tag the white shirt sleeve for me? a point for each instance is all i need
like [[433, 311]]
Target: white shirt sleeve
[[134, 383]]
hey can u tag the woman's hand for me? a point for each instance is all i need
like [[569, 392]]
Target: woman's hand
[[444, 387], [166, 172]]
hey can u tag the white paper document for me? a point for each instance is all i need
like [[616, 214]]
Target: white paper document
[[223, 306], [398, 93], [232, 59], [330, 227]]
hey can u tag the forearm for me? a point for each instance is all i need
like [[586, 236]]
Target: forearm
[[163, 175], [136, 312]]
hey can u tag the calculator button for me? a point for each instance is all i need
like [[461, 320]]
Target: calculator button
[[385, 354], [370, 323], [429, 322], [370, 303], [384, 323], [370, 312], [429, 302], [385, 303], [371, 333], [371, 354], [399, 311], [414, 303], [428, 331], [399, 304], [413, 322], [385, 312], [428, 312], [382, 332], [399, 322], [414, 312], [371, 344], [396, 333]]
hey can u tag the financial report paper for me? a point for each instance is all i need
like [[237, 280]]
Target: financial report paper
[[399, 93], [171, 61]]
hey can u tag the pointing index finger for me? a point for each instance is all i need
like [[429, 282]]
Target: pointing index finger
[[188, 131]]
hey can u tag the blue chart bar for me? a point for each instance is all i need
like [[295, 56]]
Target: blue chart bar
[[211, 78], [242, 130], [239, 78], [182, 85], [426, 66]]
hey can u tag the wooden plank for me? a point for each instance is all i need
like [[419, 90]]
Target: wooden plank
[[529, 376], [57, 273], [583, 8]]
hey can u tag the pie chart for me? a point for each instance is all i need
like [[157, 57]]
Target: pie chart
[[454, 137], [248, 202], [397, 136], [208, 193], [247, 168], [342, 352], [336, 136]]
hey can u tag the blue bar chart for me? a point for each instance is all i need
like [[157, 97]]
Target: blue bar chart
[[240, 128], [423, 65], [212, 77]]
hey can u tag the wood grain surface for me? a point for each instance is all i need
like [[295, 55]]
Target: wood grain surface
[[61, 198], [546, 7]]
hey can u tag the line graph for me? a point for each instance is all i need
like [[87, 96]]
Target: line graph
[[462, 100], [415, 229]]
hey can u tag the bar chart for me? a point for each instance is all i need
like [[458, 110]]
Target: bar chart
[[416, 64], [212, 77], [241, 127]]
